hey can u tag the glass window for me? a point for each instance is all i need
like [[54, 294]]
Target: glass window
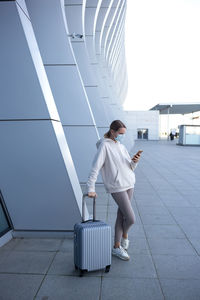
[[193, 130], [142, 133], [4, 225]]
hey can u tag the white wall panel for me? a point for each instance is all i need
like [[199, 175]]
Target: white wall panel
[[51, 34], [34, 181], [38, 179], [69, 94], [80, 141], [21, 92]]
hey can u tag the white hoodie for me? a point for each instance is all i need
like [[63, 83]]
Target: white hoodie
[[115, 164]]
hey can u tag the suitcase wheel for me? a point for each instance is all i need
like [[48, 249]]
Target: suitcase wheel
[[81, 273], [107, 269]]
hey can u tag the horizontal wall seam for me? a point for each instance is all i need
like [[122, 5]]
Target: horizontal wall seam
[[101, 6], [73, 65], [14, 120], [77, 41], [78, 125], [74, 4], [92, 86]]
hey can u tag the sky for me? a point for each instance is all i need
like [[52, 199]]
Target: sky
[[162, 40]]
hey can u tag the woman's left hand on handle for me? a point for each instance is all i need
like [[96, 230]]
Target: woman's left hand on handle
[[92, 194]]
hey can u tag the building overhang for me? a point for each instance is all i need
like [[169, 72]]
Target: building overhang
[[177, 108]]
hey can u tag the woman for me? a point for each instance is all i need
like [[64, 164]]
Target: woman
[[116, 166]]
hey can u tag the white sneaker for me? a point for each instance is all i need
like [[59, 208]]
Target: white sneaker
[[121, 253], [125, 243]]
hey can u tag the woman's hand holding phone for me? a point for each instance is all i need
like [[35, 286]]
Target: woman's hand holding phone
[[136, 157]]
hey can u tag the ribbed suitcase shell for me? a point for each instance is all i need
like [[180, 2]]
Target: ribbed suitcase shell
[[92, 245]]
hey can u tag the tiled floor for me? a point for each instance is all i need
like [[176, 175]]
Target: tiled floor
[[164, 241]]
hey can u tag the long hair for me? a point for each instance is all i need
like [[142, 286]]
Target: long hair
[[115, 125]]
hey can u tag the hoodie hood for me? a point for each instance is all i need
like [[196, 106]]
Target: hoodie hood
[[103, 140]]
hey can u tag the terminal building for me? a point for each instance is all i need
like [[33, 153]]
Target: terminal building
[[63, 81]]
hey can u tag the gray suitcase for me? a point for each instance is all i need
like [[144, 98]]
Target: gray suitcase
[[92, 243]]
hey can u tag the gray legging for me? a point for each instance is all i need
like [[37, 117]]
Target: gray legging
[[125, 214]]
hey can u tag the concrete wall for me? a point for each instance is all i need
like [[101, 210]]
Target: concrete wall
[[143, 119]]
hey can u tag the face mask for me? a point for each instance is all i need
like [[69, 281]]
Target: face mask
[[119, 138]]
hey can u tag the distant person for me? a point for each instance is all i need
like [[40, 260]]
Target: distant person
[[172, 134], [116, 166]]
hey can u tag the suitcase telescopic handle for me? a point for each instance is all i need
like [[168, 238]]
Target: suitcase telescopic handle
[[83, 207]]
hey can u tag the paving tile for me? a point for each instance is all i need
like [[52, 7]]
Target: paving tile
[[63, 264], [175, 289], [193, 201], [139, 266], [196, 244], [26, 262], [149, 197], [145, 192], [176, 203], [170, 194], [69, 287], [188, 220], [41, 244], [153, 210], [185, 191], [138, 246], [19, 286], [185, 211], [148, 202], [133, 289], [163, 231], [149, 219], [171, 246], [67, 245], [3, 256], [191, 231], [177, 266], [10, 245]]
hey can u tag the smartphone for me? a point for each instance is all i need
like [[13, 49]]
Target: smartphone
[[139, 152]]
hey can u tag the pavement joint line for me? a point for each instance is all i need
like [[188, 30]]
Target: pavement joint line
[[38, 251], [166, 207], [151, 253], [21, 273], [100, 290], [87, 275], [93, 276], [45, 275]]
